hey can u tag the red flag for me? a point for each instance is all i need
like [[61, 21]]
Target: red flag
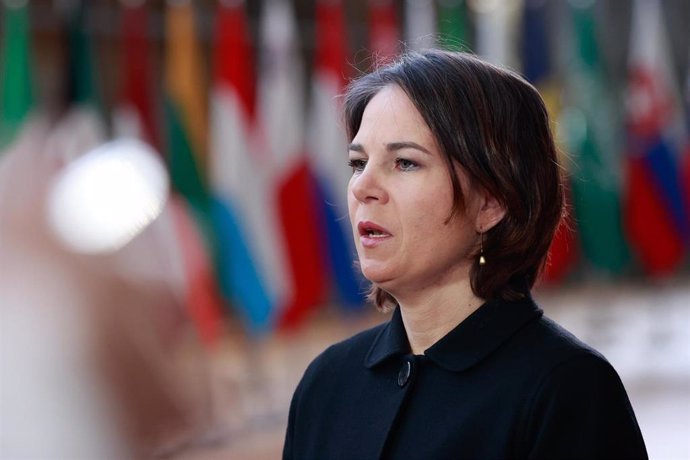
[[236, 69], [384, 33], [331, 51], [563, 253], [135, 116], [299, 220]]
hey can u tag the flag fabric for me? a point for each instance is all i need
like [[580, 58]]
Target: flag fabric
[[37, 142], [185, 111], [16, 96], [134, 113], [170, 251], [327, 144], [536, 53], [495, 31], [537, 67], [200, 290], [81, 127], [656, 218], [247, 246], [23, 131], [420, 24], [590, 126], [685, 173], [384, 33], [281, 114], [186, 131], [452, 25]]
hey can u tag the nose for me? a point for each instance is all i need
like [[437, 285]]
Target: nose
[[367, 186]]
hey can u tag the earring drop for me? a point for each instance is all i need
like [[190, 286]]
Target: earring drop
[[482, 260]]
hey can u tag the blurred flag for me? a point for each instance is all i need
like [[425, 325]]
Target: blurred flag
[[170, 251], [185, 116], [246, 243], [452, 25], [134, 114], [590, 125], [22, 131], [81, 127], [200, 290], [536, 52], [384, 33], [656, 217], [185, 111], [16, 100], [538, 69], [685, 175], [495, 28], [327, 146], [281, 112], [420, 24]]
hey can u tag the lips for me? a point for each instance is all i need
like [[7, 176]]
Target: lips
[[371, 234]]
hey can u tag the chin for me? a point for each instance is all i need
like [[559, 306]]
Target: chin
[[371, 273], [377, 275]]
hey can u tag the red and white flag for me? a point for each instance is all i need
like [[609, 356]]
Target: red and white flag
[[302, 286]]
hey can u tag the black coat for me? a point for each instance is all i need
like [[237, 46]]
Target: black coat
[[506, 383]]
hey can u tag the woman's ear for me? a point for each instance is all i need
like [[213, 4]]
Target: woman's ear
[[491, 211]]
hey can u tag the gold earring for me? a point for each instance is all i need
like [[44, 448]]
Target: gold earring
[[482, 260]]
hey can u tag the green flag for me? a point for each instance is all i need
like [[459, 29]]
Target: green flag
[[82, 88], [16, 94], [452, 25], [185, 111], [81, 126], [591, 126]]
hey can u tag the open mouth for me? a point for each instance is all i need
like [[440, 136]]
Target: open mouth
[[371, 230]]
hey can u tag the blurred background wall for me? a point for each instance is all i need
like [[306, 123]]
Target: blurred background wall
[[187, 338]]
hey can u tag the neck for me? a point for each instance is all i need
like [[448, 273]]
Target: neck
[[428, 317]]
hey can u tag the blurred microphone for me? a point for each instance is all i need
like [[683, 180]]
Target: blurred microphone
[[106, 197]]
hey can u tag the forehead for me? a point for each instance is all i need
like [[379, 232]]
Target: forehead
[[392, 116]]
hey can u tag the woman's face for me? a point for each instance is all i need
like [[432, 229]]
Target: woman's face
[[400, 197]]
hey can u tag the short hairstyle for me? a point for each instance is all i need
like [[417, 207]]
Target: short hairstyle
[[494, 124]]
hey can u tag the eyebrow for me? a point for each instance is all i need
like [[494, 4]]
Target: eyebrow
[[391, 147]]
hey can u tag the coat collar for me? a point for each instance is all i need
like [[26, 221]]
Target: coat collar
[[470, 342]]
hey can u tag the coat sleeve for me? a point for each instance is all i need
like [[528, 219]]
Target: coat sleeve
[[580, 410]]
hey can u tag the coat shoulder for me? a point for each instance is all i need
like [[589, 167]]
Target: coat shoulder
[[343, 355], [552, 346], [578, 395]]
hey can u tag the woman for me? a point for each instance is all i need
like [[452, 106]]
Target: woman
[[454, 199]]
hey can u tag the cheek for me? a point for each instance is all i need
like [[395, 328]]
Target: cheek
[[351, 210], [431, 208], [351, 202], [426, 218]]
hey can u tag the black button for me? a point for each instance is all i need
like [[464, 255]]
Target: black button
[[404, 374]]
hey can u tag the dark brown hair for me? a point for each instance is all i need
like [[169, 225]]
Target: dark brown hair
[[493, 124]]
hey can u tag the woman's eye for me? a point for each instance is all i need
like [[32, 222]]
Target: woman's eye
[[406, 165], [357, 164]]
